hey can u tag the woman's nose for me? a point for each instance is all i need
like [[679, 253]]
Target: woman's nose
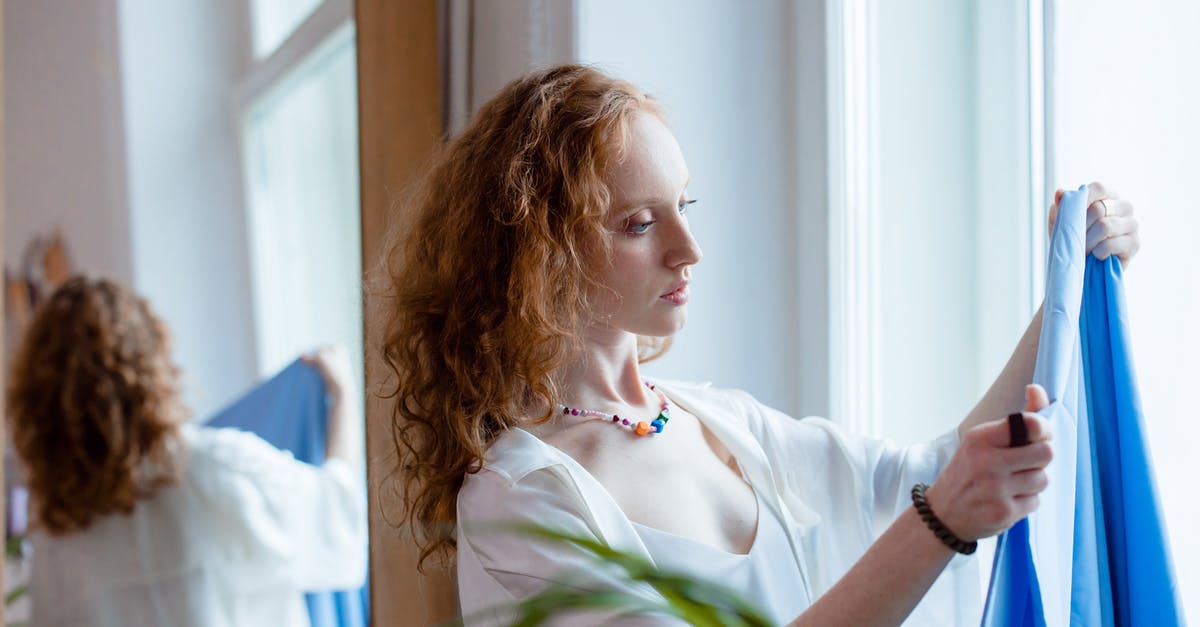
[[685, 251]]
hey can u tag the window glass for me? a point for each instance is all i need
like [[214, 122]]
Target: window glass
[[1138, 135], [274, 20], [302, 179]]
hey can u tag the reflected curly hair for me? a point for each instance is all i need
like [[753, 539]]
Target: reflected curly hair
[[489, 285], [94, 405]]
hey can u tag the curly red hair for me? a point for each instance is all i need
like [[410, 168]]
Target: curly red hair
[[489, 286], [93, 405]]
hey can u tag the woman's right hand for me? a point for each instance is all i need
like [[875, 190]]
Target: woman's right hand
[[988, 485], [333, 362], [344, 438]]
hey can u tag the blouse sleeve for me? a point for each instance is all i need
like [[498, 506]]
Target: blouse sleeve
[[309, 520], [522, 566], [842, 472]]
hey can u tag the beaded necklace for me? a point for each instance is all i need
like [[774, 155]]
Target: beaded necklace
[[638, 427]]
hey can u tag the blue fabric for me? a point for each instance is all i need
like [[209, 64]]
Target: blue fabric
[[1100, 520], [1133, 537], [289, 411]]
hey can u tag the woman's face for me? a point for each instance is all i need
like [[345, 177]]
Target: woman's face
[[652, 246]]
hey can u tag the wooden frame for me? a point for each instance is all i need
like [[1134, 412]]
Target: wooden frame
[[400, 123], [3, 381]]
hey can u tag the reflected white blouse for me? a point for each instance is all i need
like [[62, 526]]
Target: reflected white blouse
[[833, 494], [233, 543]]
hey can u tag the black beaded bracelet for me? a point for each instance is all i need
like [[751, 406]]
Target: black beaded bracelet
[[935, 525]]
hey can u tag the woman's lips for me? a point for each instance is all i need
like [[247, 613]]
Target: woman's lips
[[677, 296]]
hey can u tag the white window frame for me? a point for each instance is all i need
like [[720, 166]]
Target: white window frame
[[855, 314], [261, 76], [854, 273], [327, 27]]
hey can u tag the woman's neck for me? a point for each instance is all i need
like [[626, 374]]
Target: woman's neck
[[606, 377]]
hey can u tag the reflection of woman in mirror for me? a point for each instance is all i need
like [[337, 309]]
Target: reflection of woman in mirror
[[139, 518], [548, 258]]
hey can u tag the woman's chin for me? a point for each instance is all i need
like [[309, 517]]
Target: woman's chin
[[667, 325]]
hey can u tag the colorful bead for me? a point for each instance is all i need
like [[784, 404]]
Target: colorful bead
[[640, 428]]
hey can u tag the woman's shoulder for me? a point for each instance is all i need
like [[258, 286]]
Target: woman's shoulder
[[231, 451], [705, 393], [771, 426], [521, 480], [727, 403]]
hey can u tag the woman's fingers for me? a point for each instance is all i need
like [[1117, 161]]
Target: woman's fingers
[[1097, 191], [1036, 398], [1124, 247], [1108, 228], [1115, 206], [997, 434], [990, 484], [1112, 205], [1029, 457], [1111, 227], [1024, 506], [1029, 483]]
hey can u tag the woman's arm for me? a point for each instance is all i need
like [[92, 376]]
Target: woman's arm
[[1006, 394], [888, 582], [986, 487], [344, 437]]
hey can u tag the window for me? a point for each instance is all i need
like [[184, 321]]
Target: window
[[1124, 114], [274, 20], [937, 213], [300, 158]]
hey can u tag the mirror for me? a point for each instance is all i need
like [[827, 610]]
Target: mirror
[[205, 157]]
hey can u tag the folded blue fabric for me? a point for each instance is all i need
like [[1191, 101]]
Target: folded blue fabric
[[289, 411], [1142, 587], [1074, 560]]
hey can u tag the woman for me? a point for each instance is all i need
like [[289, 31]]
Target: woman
[[549, 257], [139, 518]]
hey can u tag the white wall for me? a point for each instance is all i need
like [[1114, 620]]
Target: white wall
[[64, 145], [726, 76], [1126, 92], [732, 81], [186, 211]]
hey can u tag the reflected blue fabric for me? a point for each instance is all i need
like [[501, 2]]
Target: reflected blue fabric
[[289, 411], [1103, 523]]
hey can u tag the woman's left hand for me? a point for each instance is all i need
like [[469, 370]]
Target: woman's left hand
[[1112, 229]]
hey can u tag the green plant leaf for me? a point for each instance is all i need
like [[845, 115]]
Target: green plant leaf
[[15, 594], [696, 601]]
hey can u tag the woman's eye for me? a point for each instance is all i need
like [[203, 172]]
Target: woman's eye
[[639, 228], [683, 206]]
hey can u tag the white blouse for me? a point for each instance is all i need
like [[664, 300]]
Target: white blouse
[[834, 494], [233, 543], [765, 575]]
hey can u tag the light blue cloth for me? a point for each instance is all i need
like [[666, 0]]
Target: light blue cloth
[[1099, 520], [289, 411]]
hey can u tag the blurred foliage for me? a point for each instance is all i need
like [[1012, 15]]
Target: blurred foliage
[[695, 601]]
